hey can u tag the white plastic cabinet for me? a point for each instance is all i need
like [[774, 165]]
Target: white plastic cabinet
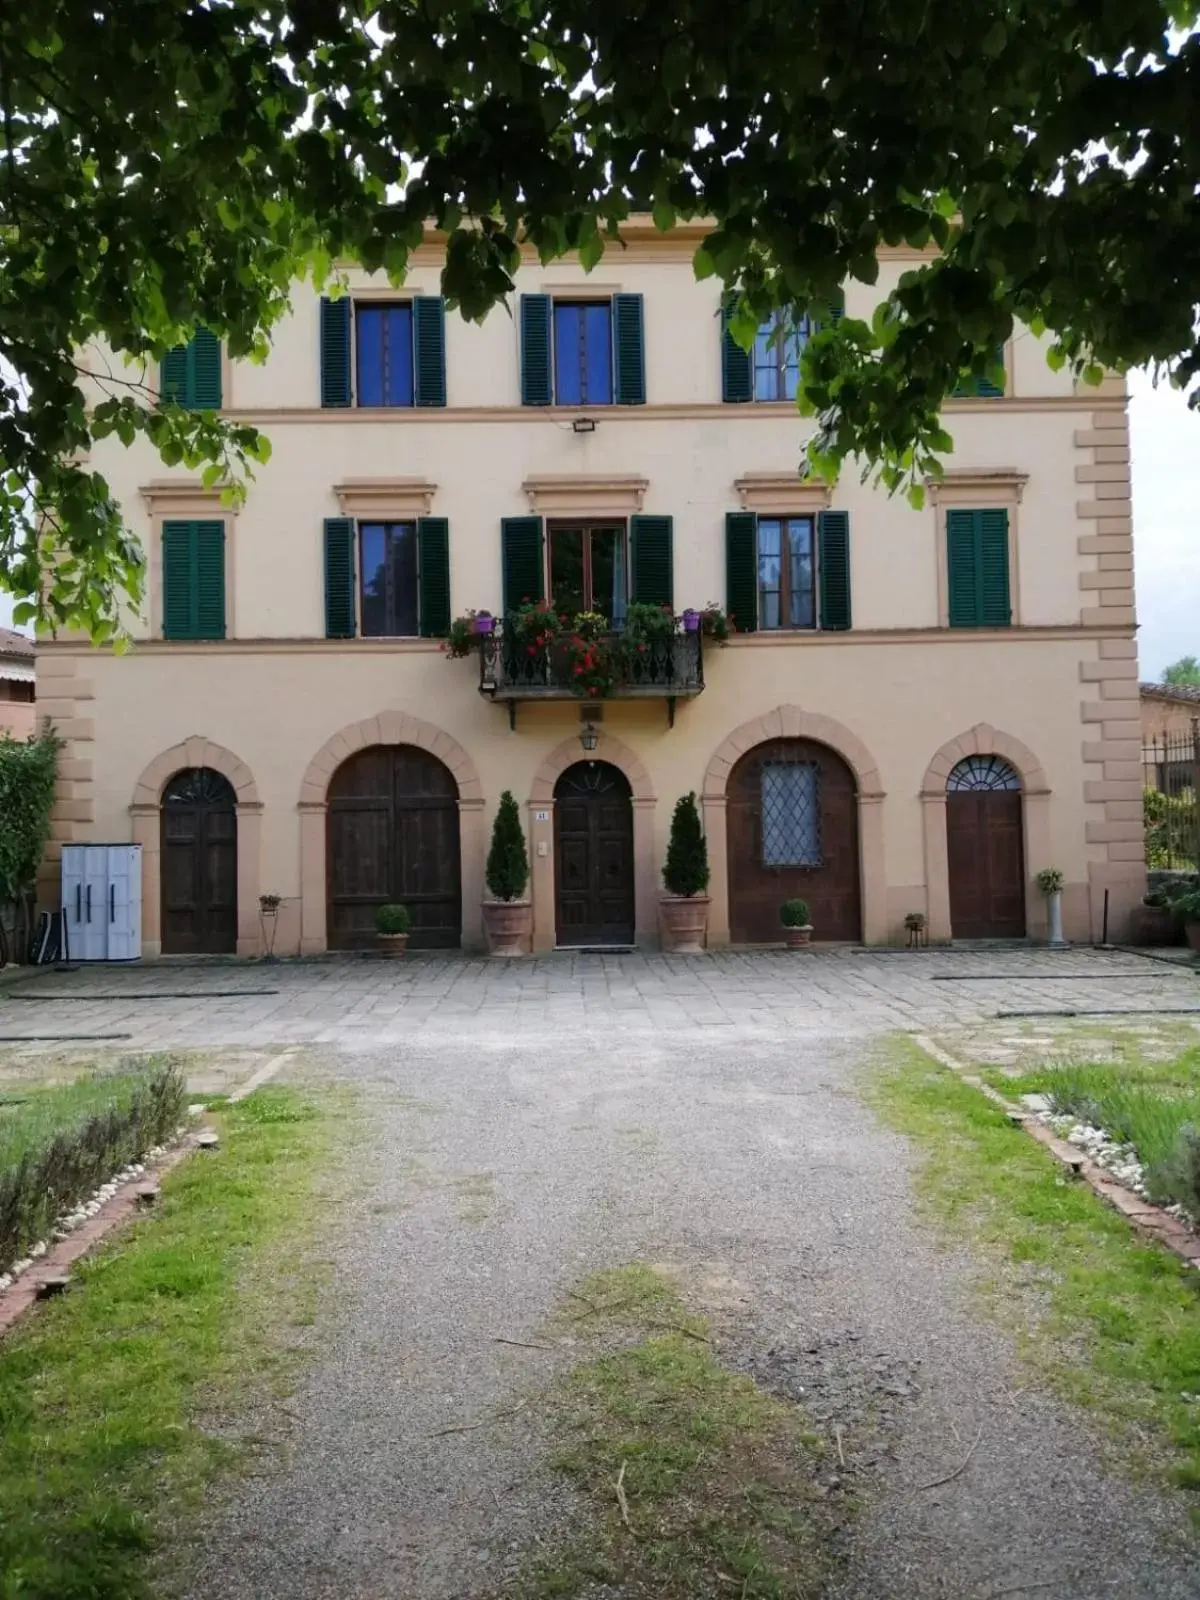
[[102, 901]]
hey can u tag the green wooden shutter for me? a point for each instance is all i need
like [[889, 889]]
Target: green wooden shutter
[[629, 349], [995, 610], [210, 580], [833, 567], [652, 560], [433, 576], [172, 374], [741, 570], [536, 386], [339, 578], [962, 569], [429, 350], [521, 558], [973, 387], [204, 371], [737, 365], [335, 351], [178, 589]]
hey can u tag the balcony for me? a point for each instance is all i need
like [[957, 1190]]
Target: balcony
[[517, 662]]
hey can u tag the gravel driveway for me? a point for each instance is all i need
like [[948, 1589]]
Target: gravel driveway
[[516, 1156]]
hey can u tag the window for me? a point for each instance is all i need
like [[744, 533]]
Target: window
[[791, 814], [588, 569], [388, 604], [383, 349], [973, 387], [190, 374], [977, 582], [777, 350], [583, 353], [193, 580], [786, 573]]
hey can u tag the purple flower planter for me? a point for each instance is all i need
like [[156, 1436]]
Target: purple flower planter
[[691, 621], [485, 624]]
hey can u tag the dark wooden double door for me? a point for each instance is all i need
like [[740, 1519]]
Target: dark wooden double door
[[593, 856], [985, 846], [393, 837], [198, 864], [792, 820]]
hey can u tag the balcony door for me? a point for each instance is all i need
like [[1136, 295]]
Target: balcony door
[[589, 569]]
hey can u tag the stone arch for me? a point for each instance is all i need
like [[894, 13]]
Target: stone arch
[[566, 754], [388, 727], [541, 831], [198, 751], [984, 740], [793, 722], [195, 751]]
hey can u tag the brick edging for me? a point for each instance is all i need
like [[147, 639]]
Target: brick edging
[[1146, 1219], [118, 1208]]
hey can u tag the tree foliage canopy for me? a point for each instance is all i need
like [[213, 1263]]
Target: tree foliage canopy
[[166, 164], [1183, 674]]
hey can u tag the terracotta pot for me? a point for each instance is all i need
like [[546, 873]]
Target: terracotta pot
[[509, 924], [1191, 932], [392, 945], [798, 938], [683, 922]]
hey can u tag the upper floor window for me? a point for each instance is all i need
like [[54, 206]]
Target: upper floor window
[[589, 569], [973, 387], [383, 352], [777, 348], [388, 603], [977, 568], [787, 572], [193, 580], [190, 374], [787, 596], [582, 352]]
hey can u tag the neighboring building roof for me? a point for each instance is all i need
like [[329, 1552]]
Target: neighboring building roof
[[1170, 691], [16, 655]]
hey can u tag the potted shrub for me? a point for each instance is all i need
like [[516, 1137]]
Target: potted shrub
[[1050, 882], [797, 929], [391, 929], [268, 917], [1153, 922], [1187, 909], [508, 915], [915, 925], [683, 911]]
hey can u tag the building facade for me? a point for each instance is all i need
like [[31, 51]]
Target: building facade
[[917, 712], [18, 685]]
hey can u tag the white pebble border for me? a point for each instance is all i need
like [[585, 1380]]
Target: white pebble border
[[70, 1220], [1120, 1160]]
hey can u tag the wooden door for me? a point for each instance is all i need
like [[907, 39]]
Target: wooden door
[[199, 864], [392, 837], [593, 856], [792, 817], [986, 855]]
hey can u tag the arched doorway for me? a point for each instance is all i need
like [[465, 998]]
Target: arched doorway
[[985, 849], [593, 856], [392, 836], [198, 864], [792, 820]]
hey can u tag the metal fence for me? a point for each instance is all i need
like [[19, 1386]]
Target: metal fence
[[1170, 784]]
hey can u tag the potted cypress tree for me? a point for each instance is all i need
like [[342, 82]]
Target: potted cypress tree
[[508, 915], [797, 929], [683, 910], [392, 924]]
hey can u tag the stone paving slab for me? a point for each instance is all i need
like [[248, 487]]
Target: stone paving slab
[[365, 1001]]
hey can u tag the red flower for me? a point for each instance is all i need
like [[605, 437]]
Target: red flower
[[529, 650], [579, 672], [641, 649], [593, 690], [541, 638]]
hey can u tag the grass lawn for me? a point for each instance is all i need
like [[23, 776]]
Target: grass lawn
[[31, 1116], [1109, 1322], [1152, 1105], [188, 1314], [697, 1483]]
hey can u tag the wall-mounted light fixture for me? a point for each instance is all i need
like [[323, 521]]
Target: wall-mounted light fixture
[[589, 738], [584, 425]]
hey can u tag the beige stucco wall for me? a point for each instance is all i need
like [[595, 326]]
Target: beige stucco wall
[[1057, 685], [1173, 719]]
